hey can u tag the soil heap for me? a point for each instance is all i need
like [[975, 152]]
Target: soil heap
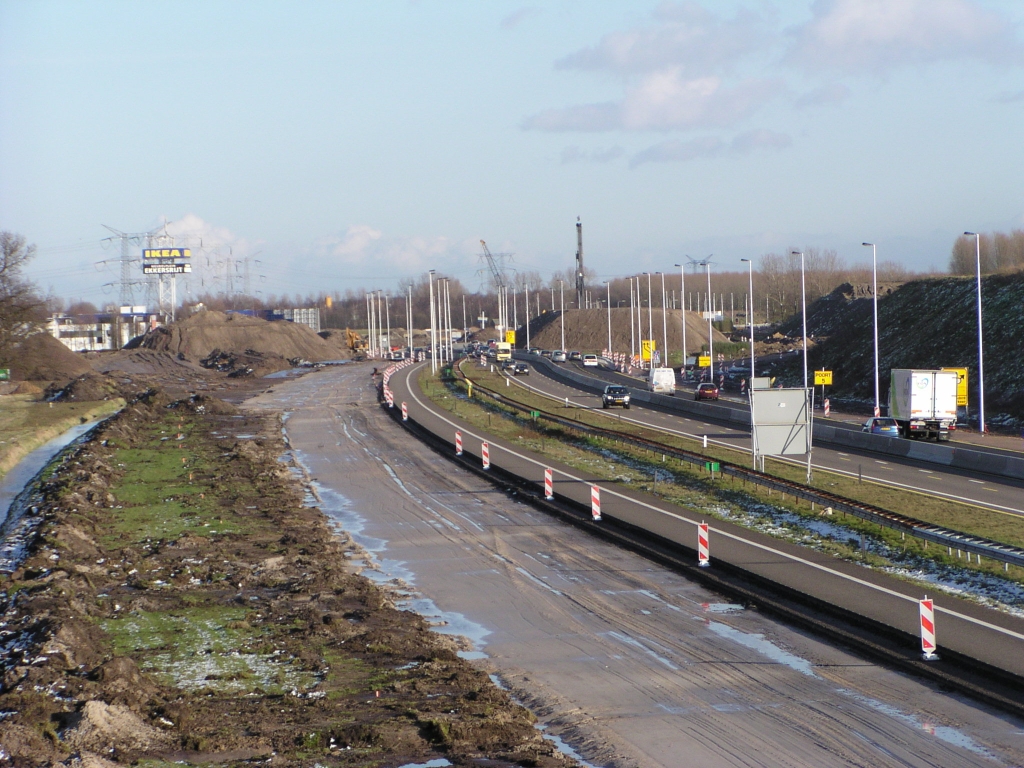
[[241, 345], [41, 357]]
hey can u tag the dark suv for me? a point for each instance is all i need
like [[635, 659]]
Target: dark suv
[[615, 394]]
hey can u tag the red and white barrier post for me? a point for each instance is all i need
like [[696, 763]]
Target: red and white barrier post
[[703, 548], [485, 455], [549, 485], [458, 443], [928, 629], [595, 503], [405, 412], [826, 407]]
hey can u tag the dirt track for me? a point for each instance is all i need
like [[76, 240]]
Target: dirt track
[[629, 663]]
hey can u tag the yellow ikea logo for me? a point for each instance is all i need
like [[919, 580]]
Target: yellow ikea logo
[[166, 253]]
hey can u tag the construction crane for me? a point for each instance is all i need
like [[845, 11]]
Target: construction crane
[[494, 262]]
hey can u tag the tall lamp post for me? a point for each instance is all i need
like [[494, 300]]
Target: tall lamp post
[[608, 283], [711, 347], [561, 312], [803, 304], [874, 291], [664, 320], [682, 303], [526, 288], [981, 367], [650, 321], [750, 319], [433, 327]]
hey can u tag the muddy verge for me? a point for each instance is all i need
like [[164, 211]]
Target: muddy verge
[[178, 603]]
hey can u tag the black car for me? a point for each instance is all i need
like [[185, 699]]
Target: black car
[[615, 394], [521, 369]]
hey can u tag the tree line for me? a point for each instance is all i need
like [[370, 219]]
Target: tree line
[[1000, 253]]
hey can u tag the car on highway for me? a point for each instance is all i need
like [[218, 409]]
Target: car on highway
[[706, 391], [545, 353], [590, 361], [881, 425], [521, 369], [575, 355], [558, 356], [615, 394]]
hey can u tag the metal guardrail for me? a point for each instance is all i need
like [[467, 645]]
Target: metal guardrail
[[951, 539]]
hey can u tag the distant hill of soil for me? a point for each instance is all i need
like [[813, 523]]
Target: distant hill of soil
[[41, 357], [239, 343], [586, 330], [927, 324]]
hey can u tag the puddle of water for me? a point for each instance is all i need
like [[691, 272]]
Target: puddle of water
[[437, 762], [722, 607], [562, 747], [764, 647], [944, 733]]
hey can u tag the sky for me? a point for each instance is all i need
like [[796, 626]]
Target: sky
[[333, 146]]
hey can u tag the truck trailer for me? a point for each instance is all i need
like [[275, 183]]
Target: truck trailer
[[923, 403]]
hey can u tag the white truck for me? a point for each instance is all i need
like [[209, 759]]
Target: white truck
[[662, 381], [923, 402]]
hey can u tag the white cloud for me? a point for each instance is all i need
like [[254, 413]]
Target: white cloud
[[675, 150], [364, 247], [831, 93], [856, 35], [574, 154], [665, 100], [517, 17]]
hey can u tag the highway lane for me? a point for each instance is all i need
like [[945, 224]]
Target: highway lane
[[627, 661], [1000, 495]]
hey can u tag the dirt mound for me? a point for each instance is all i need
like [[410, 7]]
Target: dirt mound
[[204, 333], [41, 357], [587, 330], [88, 387]]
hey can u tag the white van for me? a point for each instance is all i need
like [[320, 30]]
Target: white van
[[662, 381]]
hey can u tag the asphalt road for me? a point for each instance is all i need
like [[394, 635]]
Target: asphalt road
[[626, 661], [989, 492]]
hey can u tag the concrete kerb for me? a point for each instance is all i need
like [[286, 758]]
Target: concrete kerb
[[933, 453]]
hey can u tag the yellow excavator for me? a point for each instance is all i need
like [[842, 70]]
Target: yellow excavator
[[355, 342]]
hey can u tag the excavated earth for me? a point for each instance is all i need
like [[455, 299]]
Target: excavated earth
[[180, 604]]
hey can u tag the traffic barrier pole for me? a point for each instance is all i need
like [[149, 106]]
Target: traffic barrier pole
[[826, 407], [928, 629], [485, 455], [458, 443], [703, 548], [549, 486], [595, 503], [405, 412]]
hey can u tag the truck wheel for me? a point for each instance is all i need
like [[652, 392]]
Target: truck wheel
[[626, 406]]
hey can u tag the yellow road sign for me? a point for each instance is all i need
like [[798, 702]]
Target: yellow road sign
[[704, 361], [823, 378], [510, 336], [647, 347]]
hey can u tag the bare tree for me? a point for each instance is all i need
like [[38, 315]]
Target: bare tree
[[21, 306]]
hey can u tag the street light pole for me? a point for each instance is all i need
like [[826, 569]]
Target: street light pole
[[682, 303], [527, 289], [608, 283], [803, 304], [750, 320], [711, 348], [433, 327], [981, 367], [632, 326], [874, 291], [664, 321], [561, 309], [650, 322]]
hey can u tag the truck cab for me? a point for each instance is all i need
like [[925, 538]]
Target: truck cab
[[503, 351]]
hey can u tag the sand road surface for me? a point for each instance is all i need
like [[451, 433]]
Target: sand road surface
[[623, 660]]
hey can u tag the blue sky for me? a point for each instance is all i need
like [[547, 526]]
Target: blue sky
[[355, 145]]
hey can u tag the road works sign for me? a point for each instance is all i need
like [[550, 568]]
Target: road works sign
[[823, 378], [510, 337], [961, 385], [704, 361], [647, 347]]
